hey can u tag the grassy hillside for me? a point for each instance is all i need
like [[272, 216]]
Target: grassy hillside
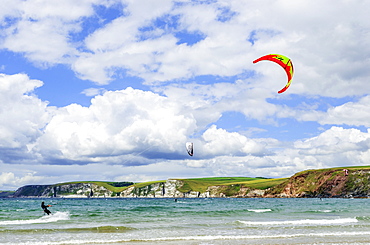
[[112, 186], [194, 184], [143, 184], [327, 182], [336, 169], [201, 184]]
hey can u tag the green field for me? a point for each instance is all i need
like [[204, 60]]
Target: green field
[[201, 184], [354, 168], [112, 186]]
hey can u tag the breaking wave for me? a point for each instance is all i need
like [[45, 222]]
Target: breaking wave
[[260, 210], [44, 219], [301, 222]]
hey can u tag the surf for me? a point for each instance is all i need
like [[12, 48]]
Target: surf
[[339, 221], [260, 210], [44, 219]]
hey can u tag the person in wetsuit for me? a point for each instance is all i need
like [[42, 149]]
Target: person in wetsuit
[[45, 208]]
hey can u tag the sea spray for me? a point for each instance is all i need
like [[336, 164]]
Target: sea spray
[[44, 219]]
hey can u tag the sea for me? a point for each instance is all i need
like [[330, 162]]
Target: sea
[[202, 221]]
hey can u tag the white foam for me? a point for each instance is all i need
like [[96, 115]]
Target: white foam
[[203, 238], [302, 222], [44, 219], [325, 211], [260, 210]]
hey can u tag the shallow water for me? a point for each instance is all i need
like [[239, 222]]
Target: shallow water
[[187, 221]]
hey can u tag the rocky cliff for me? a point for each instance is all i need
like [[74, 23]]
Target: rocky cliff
[[167, 189], [337, 182], [354, 182], [64, 190]]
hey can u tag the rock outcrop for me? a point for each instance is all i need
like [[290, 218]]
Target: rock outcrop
[[324, 184], [77, 190]]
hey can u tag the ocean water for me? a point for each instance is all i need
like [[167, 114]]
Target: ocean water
[[187, 221]]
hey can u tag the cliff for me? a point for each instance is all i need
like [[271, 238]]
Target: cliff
[[334, 182], [71, 190], [172, 188]]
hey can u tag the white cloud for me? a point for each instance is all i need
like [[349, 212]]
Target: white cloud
[[220, 142], [350, 113], [22, 115], [91, 92], [117, 123], [45, 37], [336, 147], [41, 30], [9, 181], [334, 141]]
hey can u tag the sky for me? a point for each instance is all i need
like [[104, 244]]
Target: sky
[[111, 90]]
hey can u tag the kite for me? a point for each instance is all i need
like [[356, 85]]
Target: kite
[[284, 62], [189, 148]]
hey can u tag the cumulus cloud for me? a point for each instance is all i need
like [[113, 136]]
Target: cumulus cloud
[[9, 180], [220, 142], [350, 113], [336, 141], [22, 115], [117, 123]]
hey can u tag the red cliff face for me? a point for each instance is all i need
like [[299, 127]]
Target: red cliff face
[[324, 183]]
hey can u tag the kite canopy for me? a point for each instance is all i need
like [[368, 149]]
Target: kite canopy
[[284, 62], [189, 148]]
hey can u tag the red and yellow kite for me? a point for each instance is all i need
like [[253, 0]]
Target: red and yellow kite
[[284, 62]]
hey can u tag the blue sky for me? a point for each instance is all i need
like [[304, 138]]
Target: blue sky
[[112, 90]]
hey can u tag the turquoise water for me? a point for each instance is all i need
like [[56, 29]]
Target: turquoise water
[[187, 221]]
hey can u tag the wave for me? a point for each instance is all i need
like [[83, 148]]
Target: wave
[[321, 211], [301, 222], [96, 229], [325, 211], [206, 238], [44, 219], [260, 210]]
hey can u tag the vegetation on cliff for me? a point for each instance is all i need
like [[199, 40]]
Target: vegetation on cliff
[[331, 182], [112, 186], [202, 184]]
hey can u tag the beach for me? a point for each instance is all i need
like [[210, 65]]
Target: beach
[[186, 221]]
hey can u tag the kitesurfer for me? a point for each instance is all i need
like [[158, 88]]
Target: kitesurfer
[[45, 208]]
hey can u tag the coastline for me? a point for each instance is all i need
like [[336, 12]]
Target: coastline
[[322, 183]]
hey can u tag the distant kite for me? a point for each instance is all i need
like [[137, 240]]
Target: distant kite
[[284, 62], [189, 148]]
